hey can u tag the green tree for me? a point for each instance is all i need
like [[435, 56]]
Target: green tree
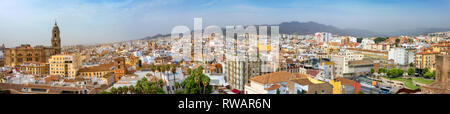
[[132, 89], [411, 71], [160, 82], [174, 71], [359, 40], [428, 75], [425, 71], [197, 82], [397, 42], [382, 70], [105, 92], [153, 68], [372, 71], [379, 39], [125, 90], [140, 63], [395, 72], [205, 82], [411, 64], [360, 92], [119, 90], [113, 90]]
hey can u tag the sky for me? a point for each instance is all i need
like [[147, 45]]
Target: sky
[[106, 21]]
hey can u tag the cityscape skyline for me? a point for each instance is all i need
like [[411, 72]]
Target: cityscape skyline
[[90, 22]]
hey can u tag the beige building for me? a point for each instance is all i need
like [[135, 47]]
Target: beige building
[[65, 64], [341, 63], [238, 73], [38, 69], [26, 53], [426, 60]]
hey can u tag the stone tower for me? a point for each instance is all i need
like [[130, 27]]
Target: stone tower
[[56, 39]]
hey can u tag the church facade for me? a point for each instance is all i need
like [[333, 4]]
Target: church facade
[[38, 54]]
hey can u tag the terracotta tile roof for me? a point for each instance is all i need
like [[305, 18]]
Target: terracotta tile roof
[[360, 62], [273, 87], [312, 72], [281, 76], [303, 81], [346, 81], [382, 52], [102, 67], [426, 52]]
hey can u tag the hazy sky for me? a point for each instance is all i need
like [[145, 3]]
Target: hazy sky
[[102, 21]]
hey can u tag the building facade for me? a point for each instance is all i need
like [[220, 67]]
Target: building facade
[[238, 73], [26, 53], [65, 65], [401, 56]]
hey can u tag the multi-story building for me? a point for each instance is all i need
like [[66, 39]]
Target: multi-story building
[[238, 71], [38, 69], [371, 54], [120, 68], [341, 66], [65, 65], [360, 67], [426, 59], [26, 53], [401, 56]]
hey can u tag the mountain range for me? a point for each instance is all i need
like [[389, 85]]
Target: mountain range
[[303, 28]]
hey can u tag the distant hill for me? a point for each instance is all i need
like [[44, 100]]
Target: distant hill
[[313, 27], [303, 28], [417, 32], [155, 36]]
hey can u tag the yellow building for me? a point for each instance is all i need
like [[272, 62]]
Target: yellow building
[[426, 60], [131, 60], [34, 68], [65, 64], [96, 71], [336, 86]]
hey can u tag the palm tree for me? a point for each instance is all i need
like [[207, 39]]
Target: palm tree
[[159, 70], [119, 90], [125, 89], [174, 70], [153, 68], [205, 80], [132, 89], [176, 84], [113, 90], [138, 90]]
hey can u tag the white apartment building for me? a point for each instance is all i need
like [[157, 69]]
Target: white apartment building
[[323, 36], [401, 56]]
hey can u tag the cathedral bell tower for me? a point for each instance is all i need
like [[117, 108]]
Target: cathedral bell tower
[[56, 39]]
